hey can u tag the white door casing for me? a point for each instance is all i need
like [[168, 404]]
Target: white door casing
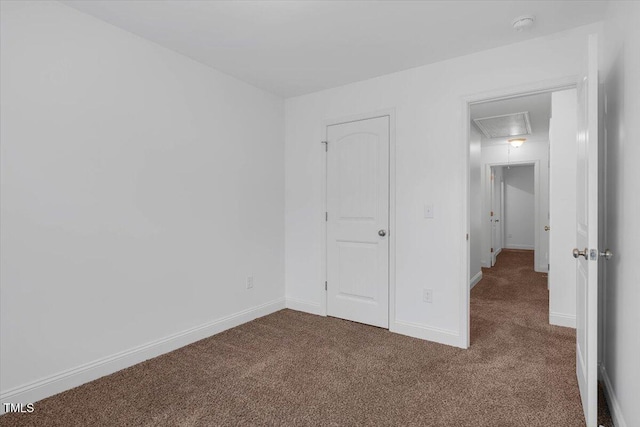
[[587, 235], [358, 221]]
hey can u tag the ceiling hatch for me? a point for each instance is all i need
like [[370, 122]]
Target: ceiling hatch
[[505, 125]]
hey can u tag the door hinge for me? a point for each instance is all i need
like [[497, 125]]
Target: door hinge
[[467, 236], [491, 214], [491, 249], [326, 145], [326, 216], [325, 285]]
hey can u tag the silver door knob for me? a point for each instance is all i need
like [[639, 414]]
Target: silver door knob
[[382, 233], [577, 253], [607, 254], [547, 228]]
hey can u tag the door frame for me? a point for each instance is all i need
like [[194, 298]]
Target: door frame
[[391, 233], [552, 85]]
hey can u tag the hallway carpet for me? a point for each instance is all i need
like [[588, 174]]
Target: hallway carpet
[[296, 369]]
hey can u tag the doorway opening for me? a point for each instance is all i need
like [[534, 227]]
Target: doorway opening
[[513, 203], [581, 149], [519, 188], [521, 171]]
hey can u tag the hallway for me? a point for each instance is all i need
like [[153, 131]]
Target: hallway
[[510, 325]]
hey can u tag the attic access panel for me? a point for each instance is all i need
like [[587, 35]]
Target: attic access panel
[[505, 125]]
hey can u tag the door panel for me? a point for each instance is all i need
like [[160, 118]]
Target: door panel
[[357, 210], [357, 271], [587, 235]]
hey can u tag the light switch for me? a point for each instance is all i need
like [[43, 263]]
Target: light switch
[[428, 211]]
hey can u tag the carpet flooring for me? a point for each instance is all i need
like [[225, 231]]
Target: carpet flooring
[[296, 369]]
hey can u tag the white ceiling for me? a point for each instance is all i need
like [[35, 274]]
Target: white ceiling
[[538, 106], [297, 47]]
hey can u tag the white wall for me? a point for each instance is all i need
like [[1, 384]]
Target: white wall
[[431, 168], [562, 207], [519, 207], [139, 189], [475, 235], [535, 150], [621, 342]]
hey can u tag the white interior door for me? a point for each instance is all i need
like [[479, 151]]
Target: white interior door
[[501, 206], [587, 235], [497, 191], [358, 221], [492, 217]]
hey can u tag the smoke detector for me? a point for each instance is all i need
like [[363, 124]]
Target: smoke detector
[[524, 22]]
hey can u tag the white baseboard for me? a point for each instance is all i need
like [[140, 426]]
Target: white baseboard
[[82, 374], [498, 251], [561, 319], [475, 279], [304, 306], [417, 330], [521, 247], [612, 400]]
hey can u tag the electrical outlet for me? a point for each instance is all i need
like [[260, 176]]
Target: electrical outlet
[[249, 282], [427, 295]]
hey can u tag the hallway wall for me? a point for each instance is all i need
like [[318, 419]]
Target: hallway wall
[[562, 208], [475, 210]]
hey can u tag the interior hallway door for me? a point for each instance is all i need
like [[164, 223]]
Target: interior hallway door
[[586, 252], [497, 207], [358, 221]]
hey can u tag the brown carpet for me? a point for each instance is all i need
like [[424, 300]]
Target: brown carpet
[[291, 368]]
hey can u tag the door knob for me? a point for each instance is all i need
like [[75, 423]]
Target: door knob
[[547, 228], [577, 253], [382, 233], [607, 254]]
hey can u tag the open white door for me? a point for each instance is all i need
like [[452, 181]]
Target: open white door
[[493, 217], [497, 209], [587, 236], [358, 221]]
